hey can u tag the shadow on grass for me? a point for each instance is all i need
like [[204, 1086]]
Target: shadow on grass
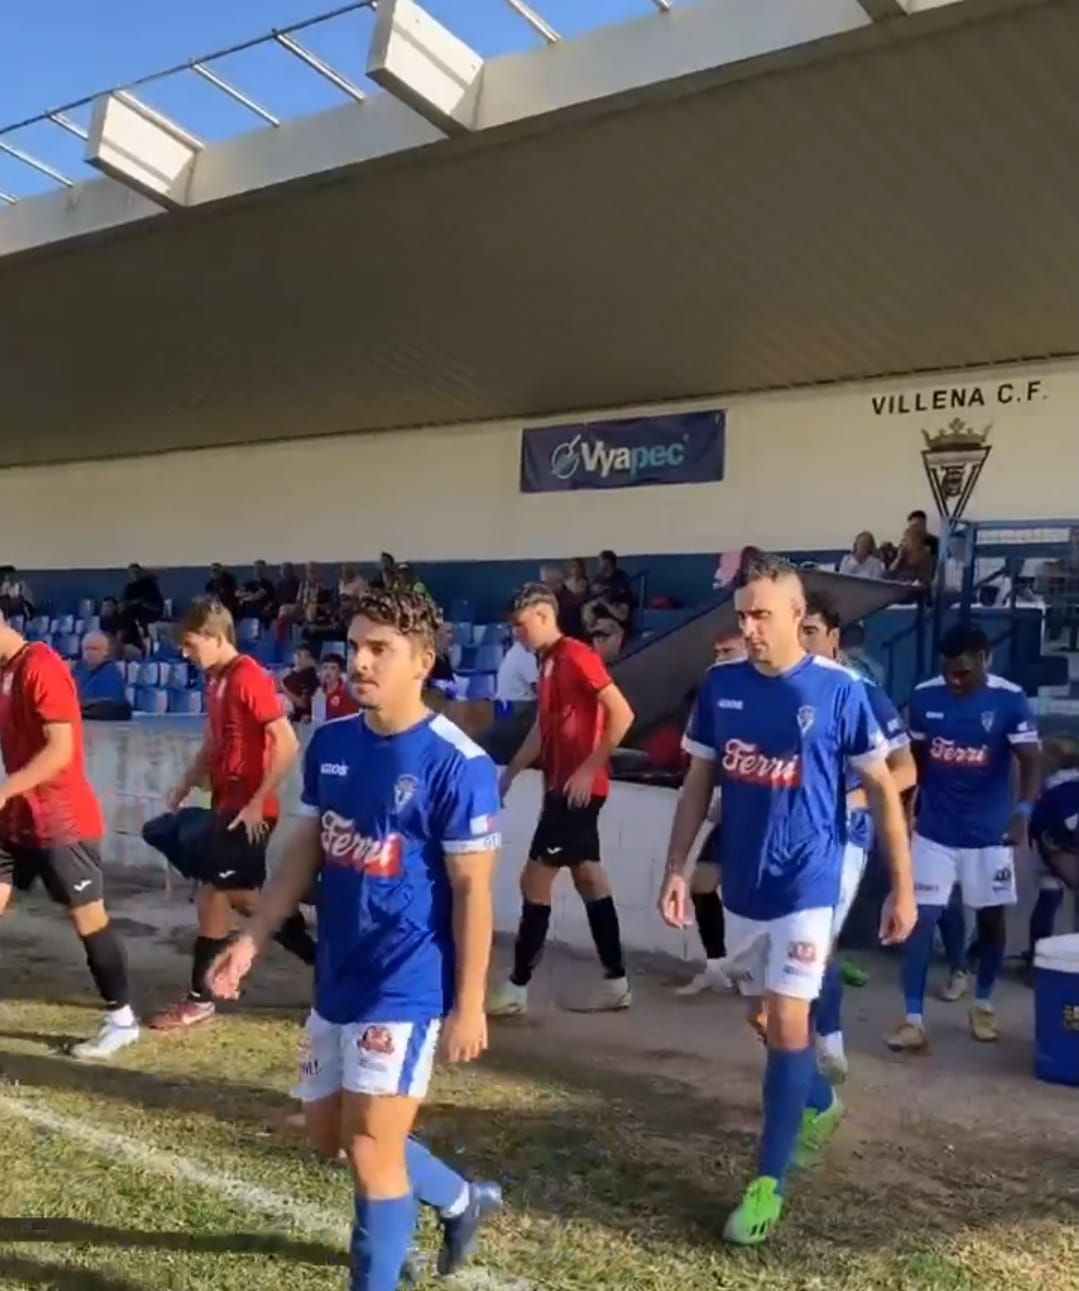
[[20, 1272], [71, 1231], [649, 1157]]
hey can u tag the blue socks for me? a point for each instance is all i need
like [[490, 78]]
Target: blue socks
[[433, 1182], [829, 1006], [381, 1240], [953, 933], [916, 957], [990, 961], [788, 1081], [1044, 915]]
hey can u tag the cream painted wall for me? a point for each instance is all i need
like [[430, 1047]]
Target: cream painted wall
[[803, 470]]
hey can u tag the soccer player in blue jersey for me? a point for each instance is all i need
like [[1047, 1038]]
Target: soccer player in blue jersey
[[1054, 834], [400, 825], [820, 636], [776, 734], [968, 727]]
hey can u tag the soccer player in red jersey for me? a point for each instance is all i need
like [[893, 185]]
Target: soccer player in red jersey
[[340, 701], [582, 718], [247, 751], [50, 821]]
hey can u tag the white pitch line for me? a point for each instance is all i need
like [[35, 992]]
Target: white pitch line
[[298, 1215]]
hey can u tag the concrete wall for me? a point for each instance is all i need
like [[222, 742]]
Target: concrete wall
[[803, 471], [134, 766]]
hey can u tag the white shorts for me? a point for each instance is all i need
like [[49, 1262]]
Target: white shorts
[[854, 863], [380, 1058], [986, 875], [785, 955]]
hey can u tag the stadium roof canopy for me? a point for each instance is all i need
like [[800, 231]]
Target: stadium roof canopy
[[716, 197]]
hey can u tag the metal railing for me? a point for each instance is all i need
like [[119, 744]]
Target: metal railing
[[204, 67]]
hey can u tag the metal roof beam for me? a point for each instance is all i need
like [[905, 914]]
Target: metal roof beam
[[238, 96], [417, 60], [536, 21], [141, 149], [319, 65]]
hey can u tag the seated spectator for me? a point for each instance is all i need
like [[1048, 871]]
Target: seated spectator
[[607, 635], [351, 585], [141, 604], [313, 606], [570, 618], [256, 599], [15, 594], [862, 560], [409, 581], [612, 588], [99, 682], [518, 675], [337, 696], [442, 674], [300, 685], [221, 586], [915, 560], [576, 579], [386, 576], [287, 588]]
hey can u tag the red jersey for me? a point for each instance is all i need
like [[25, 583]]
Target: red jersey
[[37, 690], [571, 718], [340, 703], [241, 701]]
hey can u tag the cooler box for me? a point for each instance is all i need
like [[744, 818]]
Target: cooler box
[[1056, 1010]]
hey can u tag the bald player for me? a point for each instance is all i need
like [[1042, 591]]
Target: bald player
[[776, 733]]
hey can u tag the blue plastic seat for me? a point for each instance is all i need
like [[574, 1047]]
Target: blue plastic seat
[[151, 699]]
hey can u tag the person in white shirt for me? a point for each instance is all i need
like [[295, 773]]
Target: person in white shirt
[[518, 676], [862, 560]]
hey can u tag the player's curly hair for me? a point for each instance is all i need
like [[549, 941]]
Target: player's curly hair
[[533, 594], [413, 614]]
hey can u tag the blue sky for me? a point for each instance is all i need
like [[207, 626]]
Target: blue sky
[[55, 51]]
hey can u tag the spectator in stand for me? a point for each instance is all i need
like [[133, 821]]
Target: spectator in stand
[[608, 635], [852, 648], [300, 685], [570, 619], [862, 561], [15, 594], [256, 599], [442, 675], [518, 674], [351, 586], [221, 586], [408, 580], [110, 617], [612, 589], [338, 699], [313, 605], [386, 576], [99, 682], [577, 579], [141, 604], [287, 589], [914, 560]]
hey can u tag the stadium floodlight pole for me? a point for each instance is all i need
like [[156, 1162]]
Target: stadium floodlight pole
[[317, 64], [62, 120], [34, 163], [237, 95], [539, 24]]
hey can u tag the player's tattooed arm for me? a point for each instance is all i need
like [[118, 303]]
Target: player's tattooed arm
[[48, 762], [471, 877]]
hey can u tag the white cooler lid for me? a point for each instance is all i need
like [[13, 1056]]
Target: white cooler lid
[[1058, 954]]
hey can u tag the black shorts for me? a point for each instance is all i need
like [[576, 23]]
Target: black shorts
[[567, 835], [198, 844], [69, 872]]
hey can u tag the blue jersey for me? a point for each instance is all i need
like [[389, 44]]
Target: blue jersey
[[1055, 818], [965, 796], [781, 747], [390, 809], [860, 822]]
